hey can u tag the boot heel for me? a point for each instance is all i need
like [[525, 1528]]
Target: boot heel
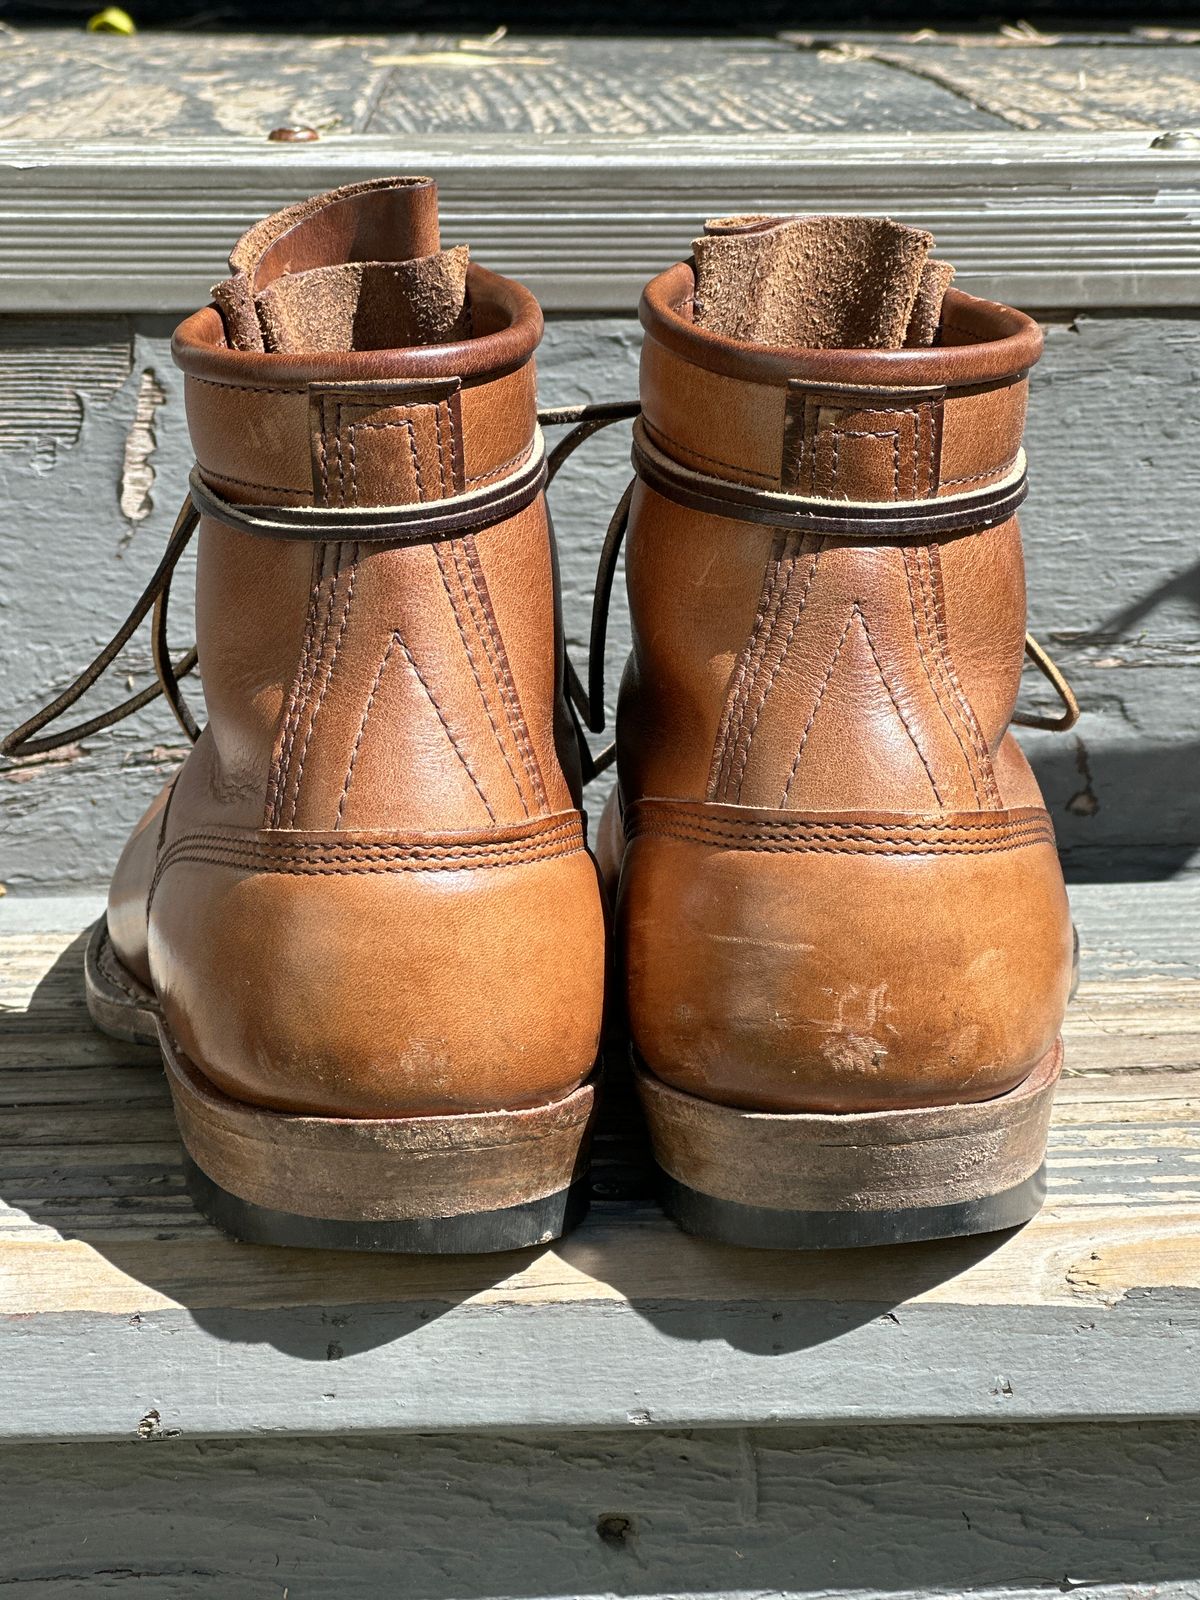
[[816, 1181], [467, 1184]]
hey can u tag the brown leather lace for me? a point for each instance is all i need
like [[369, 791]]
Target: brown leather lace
[[586, 701]]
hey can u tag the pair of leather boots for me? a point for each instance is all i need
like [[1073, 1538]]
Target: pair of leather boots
[[363, 922]]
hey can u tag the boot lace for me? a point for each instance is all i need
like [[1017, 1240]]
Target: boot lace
[[585, 698]]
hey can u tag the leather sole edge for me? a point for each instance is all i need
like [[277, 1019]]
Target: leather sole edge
[[821, 1181], [517, 1227], [117, 1002]]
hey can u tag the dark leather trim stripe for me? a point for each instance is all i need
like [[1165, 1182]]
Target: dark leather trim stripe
[[420, 523], [847, 519]]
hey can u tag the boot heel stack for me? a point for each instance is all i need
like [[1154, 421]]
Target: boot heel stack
[[809, 1181], [466, 1184]]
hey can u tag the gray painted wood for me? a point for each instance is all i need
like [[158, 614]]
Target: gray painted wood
[[56, 84], [1114, 585], [1058, 220], [906, 1513]]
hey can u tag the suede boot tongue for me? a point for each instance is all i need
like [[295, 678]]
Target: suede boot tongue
[[368, 305], [819, 283], [359, 268]]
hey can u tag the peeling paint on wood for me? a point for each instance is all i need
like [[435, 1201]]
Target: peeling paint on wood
[[137, 471]]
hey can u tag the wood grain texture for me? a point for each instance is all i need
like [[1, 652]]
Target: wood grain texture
[[1053, 219], [897, 1512], [55, 81]]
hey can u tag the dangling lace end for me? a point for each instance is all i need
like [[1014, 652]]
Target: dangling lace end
[[1055, 678], [23, 741], [587, 701]]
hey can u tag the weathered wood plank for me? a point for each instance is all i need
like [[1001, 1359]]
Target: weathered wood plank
[[55, 83], [863, 1514], [1049, 82], [1056, 220]]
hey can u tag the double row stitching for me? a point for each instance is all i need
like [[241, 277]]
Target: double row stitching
[[470, 654], [502, 669], [919, 635], [776, 668], [946, 660], [291, 857], [750, 659]]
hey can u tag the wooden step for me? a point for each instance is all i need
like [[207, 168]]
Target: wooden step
[[1060, 175], [125, 1314]]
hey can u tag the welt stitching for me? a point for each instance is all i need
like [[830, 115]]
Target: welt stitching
[[362, 728], [911, 558], [776, 668], [892, 697], [440, 557], [112, 970], [854, 611], [965, 706], [449, 733]]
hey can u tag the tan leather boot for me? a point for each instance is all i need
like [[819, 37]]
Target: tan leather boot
[[845, 938], [363, 922]]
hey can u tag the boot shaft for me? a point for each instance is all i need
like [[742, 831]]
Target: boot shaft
[[364, 686], [795, 670]]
